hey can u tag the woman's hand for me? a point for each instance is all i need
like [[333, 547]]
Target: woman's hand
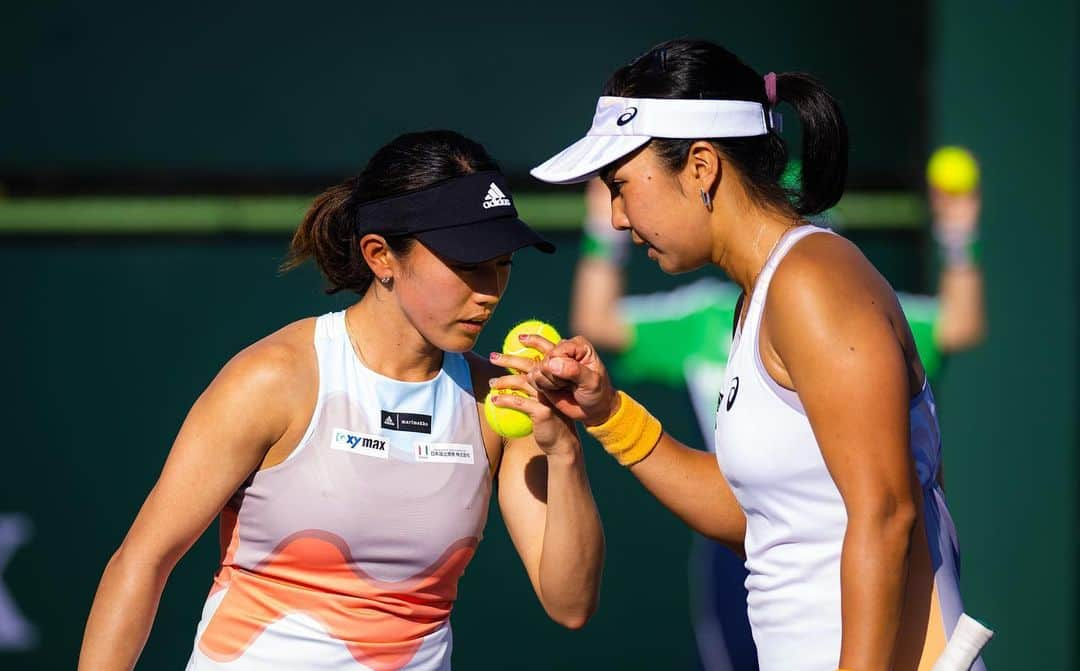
[[553, 431], [955, 215], [571, 377]]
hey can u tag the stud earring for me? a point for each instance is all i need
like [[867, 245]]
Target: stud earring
[[384, 280]]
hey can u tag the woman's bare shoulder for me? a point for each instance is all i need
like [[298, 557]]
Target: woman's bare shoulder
[[827, 270], [286, 356]]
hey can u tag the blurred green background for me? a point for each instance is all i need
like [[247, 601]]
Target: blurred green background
[[154, 159], [275, 89]]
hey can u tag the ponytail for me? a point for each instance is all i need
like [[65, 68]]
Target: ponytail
[[328, 235], [824, 141]]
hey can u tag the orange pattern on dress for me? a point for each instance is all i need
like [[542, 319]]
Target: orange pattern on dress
[[381, 623], [229, 538], [935, 634]]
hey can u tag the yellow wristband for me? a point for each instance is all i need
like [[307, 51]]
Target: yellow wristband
[[630, 434]]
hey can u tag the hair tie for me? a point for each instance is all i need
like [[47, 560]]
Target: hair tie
[[770, 88]]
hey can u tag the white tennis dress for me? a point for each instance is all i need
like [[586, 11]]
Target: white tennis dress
[[795, 517]]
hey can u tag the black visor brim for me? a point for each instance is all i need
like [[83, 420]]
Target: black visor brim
[[483, 240]]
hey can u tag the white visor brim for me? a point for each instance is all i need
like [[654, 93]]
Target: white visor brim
[[582, 160], [621, 125]]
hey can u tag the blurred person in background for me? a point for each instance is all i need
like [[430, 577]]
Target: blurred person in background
[[828, 456], [681, 338], [345, 455]]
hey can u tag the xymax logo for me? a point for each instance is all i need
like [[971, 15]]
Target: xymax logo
[[357, 440], [16, 633], [366, 444]]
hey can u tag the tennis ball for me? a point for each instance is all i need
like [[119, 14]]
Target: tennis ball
[[953, 169], [514, 347], [507, 422]]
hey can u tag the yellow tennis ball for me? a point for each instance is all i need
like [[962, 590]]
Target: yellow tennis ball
[[953, 169], [514, 347], [507, 422]]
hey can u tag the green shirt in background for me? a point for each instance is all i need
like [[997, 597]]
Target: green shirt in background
[[682, 337]]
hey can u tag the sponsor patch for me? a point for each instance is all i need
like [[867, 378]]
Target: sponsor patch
[[361, 443], [406, 421], [445, 453]]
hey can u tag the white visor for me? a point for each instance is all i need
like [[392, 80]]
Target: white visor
[[621, 125]]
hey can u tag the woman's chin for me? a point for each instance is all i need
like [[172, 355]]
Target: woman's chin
[[659, 258], [672, 265], [459, 342]]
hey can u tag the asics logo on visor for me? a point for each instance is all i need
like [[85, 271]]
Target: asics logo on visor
[[626, 117], [495, 197]]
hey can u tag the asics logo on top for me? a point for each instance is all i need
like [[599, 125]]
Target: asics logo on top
[[495, 198], [626, 117], [733, 393]]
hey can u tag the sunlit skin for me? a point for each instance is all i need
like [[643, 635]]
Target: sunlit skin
[[434, 305], [833, 331], [665, 211], [257, 409]]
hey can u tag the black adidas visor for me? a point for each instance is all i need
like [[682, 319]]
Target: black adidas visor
[[466, 219]]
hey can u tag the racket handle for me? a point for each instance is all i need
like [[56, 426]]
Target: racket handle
[[968, 639]]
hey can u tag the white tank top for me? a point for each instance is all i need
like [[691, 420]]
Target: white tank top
[[795, 516], [346, 556]]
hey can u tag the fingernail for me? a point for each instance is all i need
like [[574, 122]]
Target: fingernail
[[556, 366], [522, 336], [492, 381], [494, 356]]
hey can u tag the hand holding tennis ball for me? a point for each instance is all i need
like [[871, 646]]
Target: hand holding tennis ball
[[953, 170], [512, 345], [507, 422], [510, 422], [953, 176]]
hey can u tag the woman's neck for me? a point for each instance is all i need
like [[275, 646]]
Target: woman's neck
[[387, 342], [746, 235]]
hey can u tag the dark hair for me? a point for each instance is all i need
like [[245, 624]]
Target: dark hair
[[329, 232], [696, 69]]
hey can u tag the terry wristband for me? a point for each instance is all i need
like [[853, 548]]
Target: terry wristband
[[630, 434]]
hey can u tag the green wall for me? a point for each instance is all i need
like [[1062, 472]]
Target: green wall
[[1005, 82], [278, 89]]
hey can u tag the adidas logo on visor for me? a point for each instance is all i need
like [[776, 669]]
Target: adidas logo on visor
[[495, 198]]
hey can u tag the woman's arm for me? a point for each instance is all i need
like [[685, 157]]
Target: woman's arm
[[961, 322], [687, 481], [548, 506], [598, 278], [553, 522], [832, 322], [244, 411]]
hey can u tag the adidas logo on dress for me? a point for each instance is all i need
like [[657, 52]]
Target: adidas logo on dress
[[495, 197]]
